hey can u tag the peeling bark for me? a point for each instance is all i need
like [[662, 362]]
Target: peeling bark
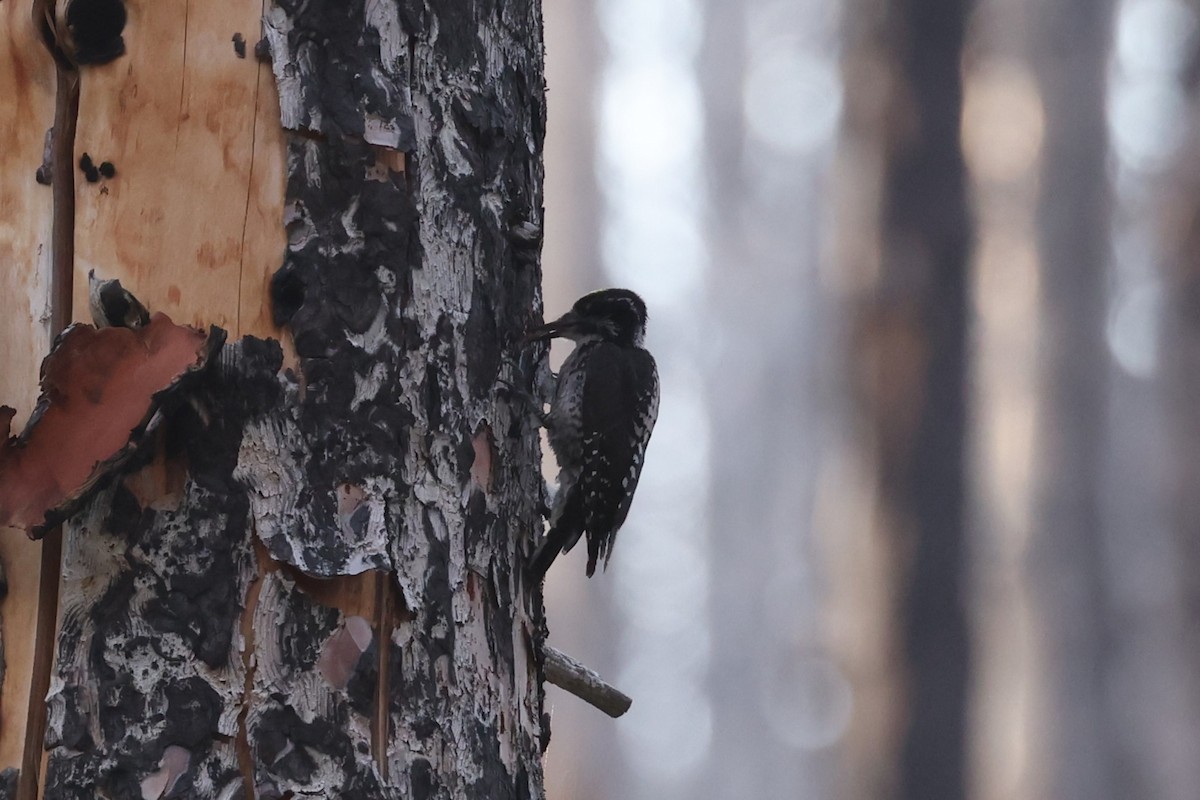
[[148, 682], [101, 395], [413, 211]]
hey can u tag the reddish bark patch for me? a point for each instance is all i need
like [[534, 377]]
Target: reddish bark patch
[[101, 389], [481, 467]]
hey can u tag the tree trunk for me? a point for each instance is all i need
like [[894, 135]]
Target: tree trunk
[[912, 341], [1066, 567], [314, 587], [1173, 723]]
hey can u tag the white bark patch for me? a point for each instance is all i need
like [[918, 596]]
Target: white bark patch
[[276, 27]]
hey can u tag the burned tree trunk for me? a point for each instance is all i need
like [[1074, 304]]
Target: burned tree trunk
[[313, 587]]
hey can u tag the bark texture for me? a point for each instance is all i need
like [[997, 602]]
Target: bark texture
[[213, 631]]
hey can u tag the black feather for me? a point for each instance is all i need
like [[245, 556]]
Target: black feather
[[620, 384]]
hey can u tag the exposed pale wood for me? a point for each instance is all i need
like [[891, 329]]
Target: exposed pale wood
[[263, 240], [27, 85], [176, 116]]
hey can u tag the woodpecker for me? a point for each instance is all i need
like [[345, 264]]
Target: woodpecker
[[112, 305], [601, 415]]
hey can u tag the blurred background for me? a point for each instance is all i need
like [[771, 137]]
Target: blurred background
[[919, 519]]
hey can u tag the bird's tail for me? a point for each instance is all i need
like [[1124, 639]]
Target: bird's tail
[[558, 540], [566, 526]]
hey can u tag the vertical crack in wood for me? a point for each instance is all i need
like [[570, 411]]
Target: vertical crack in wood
[[250, 184], [183, 76], [66, 116], [245, 756], [385, 593], [62, 261]]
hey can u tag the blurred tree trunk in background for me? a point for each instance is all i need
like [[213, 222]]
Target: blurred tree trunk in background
[[912, 335], [1066, 569], [1180, 199]]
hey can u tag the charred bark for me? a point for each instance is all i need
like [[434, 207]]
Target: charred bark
[[198, 656]]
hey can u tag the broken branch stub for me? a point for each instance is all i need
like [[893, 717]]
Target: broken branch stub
[[102, 390]]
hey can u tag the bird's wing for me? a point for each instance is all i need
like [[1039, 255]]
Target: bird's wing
[[622, 385]]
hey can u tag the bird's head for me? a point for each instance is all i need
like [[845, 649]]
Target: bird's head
[[611, 315]]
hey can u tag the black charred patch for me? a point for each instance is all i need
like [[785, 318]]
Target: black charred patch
[[8, 783], [122, 705], [433, 397], [439, 599], [356, 298], [287, 294], [75, 733], [75, 776], [500, 614], [242, 385], [88, 168], [343, 81], [422, 781], [124, 514], [482, 342], [107, 169], [464, 457], [285, 746], [96, 27], [239, 45], [302, 634], [199, 604], [193, 711], [495, 780], [360, 689]]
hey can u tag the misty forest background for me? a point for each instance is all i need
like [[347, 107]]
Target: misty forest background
[[920, 516]]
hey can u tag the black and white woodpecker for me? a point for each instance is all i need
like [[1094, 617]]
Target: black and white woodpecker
[[112, 305], [601, 415]]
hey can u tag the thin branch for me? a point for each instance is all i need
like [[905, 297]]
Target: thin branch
[[583, 682]]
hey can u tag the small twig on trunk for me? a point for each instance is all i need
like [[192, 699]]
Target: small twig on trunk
[[583, 682]]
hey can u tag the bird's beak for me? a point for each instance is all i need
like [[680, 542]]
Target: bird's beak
[[562, 326]]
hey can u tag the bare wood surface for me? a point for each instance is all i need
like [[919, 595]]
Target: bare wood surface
[[176, 116], [27, 82], [263, 235], [582, 681]]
